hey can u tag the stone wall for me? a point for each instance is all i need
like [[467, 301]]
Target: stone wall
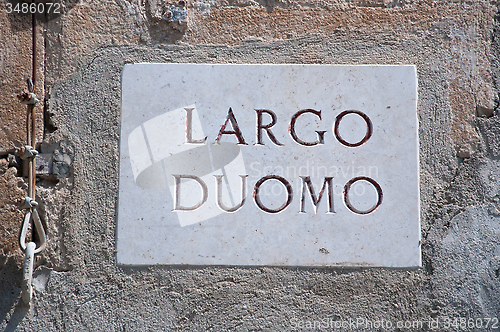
[[78, 286]]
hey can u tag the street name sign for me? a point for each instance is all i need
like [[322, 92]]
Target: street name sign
[[279, 165]]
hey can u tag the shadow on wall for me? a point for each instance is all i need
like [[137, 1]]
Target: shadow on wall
[[17, 317], [10, 296], [12, 308]]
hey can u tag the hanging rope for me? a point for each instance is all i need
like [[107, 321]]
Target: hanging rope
[[28, 152]]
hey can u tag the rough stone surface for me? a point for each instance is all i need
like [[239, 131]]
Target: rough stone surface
[[11, 217], [466, 261], [15, 69], [455, 48]]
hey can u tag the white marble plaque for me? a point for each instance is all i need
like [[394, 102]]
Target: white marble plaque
[[285, 165]]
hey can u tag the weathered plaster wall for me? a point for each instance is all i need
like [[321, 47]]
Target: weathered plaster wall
[[79, 287]]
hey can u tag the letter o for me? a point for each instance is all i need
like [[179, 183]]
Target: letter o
[[369, 128], [347, 187], [257, 197]]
